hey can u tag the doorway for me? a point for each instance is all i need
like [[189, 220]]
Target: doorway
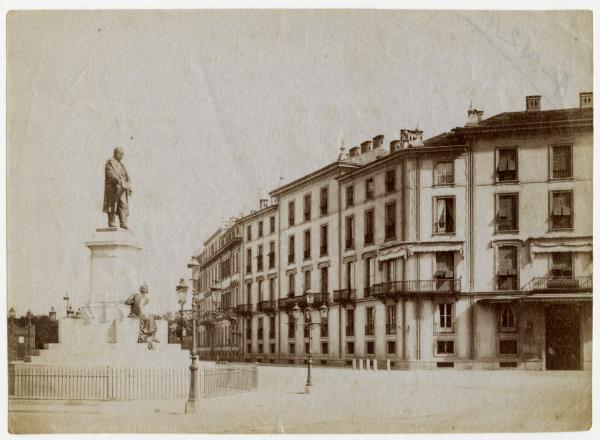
[[562, 338]]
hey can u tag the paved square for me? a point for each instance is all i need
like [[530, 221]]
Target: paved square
[[344, 401]]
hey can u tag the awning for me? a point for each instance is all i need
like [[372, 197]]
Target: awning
[[558, 298], [562, 246], [435, 247], [393, 253]]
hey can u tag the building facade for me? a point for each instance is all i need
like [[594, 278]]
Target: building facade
[[472, 249]]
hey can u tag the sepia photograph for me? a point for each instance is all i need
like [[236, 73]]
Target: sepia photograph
[[299, 221]]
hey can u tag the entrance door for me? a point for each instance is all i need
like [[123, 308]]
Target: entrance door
[[562, 338]]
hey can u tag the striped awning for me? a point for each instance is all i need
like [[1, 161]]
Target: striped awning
[[393, 253]]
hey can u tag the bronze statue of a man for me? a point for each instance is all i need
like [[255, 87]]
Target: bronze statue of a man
[[148, 328], [117, 189]]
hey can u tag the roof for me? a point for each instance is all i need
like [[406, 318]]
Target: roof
[[570, 117], [315, 174], [444, 140]]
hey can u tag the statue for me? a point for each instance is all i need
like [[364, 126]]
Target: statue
[[117, 189], [136, 302]]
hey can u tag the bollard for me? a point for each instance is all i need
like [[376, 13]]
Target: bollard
[[354, 363], [368, 362], [375, 367], [388, 365], [360, 364]]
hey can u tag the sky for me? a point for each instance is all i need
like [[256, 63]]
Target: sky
[[213, 108]]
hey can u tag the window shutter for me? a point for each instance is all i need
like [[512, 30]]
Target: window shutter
[[441, 210], [502, 161], [557, 202], [566, 204], [502, 207], [511, 163], [502, 263]]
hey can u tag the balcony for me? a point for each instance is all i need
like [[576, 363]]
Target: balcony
[[344, 296], [318, 300], [268, 306], [243, 309], [409, 287], [560, 284], [288, 303]]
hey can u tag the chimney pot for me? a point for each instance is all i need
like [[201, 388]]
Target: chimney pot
[[366, 146], [264, 203], [395, 145], [411, 138], [586, 100], [354, 151], [378, 141], [533, 103]]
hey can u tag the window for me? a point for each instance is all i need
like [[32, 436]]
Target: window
[[324, 200], [272, 328], [444, 271], [390, 180], [292, 348], [390, 221], [562, 264], [444, 347], [261, 333], [306, 332], [324, 327], [307, 244], [507, 322], [350, 348], [390, 319], [370, 347], [350, 232], [444, 173], [260, 290], [561, 213], [508, 277], [324, 348], [369, 226], [370, 326], [249, 348], [350, 275], [273, 348], [324, 280], [444, 215], [260, 347], [391, 347], [307, 281], [271, 289], [507, 217], [444, 318], [324, 240], [249, 232], [389, 270], [259, 258], [562, 162], [349, 322], [271, 255], [292, 327], [507, 347], [249, 293], [291, 284], [291, 249], [260, 228], [291, 213], [248, 260], [369, 273], [307, 203], [306, 347], [369, 188], [350, 195], [272, 224], [506, 165]]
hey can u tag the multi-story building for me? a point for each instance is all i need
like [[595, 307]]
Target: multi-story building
[[257, 303], [217, 289], [472, 249]]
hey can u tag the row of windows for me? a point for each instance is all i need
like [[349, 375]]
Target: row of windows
[[260, 228], [307, 212], [260, 258], [560, 163], [271, 294], [307, 252], [560, 211]]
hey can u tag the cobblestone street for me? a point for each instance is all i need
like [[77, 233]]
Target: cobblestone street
[[344, 401]]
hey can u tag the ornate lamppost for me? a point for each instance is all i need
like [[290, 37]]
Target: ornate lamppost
[[190, 405], [181, 289], [308, 323]]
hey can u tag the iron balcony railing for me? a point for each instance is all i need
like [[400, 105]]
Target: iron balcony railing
[[560, 284], [318, 300], [441, 285], [344, 295], [268, 306], [244, 309]]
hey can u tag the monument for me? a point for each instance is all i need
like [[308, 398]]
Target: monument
[[109, 333]]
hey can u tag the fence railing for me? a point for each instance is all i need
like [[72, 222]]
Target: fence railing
[[38, 382]]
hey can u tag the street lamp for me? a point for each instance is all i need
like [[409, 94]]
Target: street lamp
[[308, 323], [181, 290], [66, 300]]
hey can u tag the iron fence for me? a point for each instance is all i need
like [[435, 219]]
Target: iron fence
[[38, 382]]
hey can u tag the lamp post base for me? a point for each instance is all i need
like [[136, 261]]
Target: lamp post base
[[191, 407], [307, 388]]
